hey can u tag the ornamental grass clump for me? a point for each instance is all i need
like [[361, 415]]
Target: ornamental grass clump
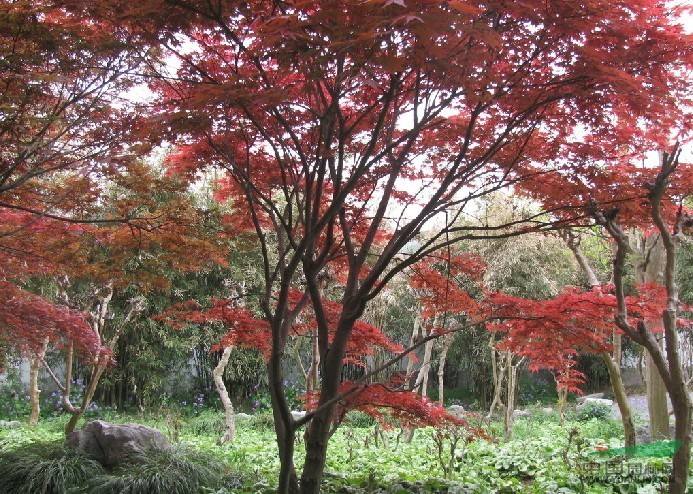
[[45, 468], [178, 471]]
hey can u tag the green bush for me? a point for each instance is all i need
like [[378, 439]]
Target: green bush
[[45, 468]]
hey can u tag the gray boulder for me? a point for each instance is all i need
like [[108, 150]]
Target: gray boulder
[[456, 409], [581, 399], [10, 424], [521, 413], [596, 401], [112, 444]]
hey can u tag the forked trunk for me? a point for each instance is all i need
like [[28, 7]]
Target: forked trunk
[[78, 413]]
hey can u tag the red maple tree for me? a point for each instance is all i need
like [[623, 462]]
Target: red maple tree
[[345, 127]]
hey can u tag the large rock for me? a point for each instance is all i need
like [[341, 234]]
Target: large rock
[[111, 444], [456, 410]]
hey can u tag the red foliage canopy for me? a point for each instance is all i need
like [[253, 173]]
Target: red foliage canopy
[[551, 333], [29, 320]]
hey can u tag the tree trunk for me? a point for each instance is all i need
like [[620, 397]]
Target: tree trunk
[[34, 391], [511, 389], [78, 413], [218, 375], [318, 432], [562, 403], [621, 399], [447, 342], [510, 405], [313, 378], [421, 384]]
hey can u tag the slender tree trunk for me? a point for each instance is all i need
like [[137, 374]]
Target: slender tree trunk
[[35, 362], [681, 402], [512, 371], [421, 384], [313, 378], [218, 375], [562, 402], [447, 342], [34, 391], [621, 399], [415, 335]]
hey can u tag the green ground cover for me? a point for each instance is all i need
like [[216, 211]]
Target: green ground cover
[[544, 456]]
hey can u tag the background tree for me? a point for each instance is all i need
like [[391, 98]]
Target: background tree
[[664, 190]]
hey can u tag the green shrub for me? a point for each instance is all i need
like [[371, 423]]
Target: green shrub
[[262, 420], [14, 402], [359, 419], [209, 422], [178, 471], [45, 468]]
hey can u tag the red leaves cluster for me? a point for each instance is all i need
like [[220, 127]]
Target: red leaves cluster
[[439, 285], [551, 333], [243, 327], [394, 407], [366, 339]]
